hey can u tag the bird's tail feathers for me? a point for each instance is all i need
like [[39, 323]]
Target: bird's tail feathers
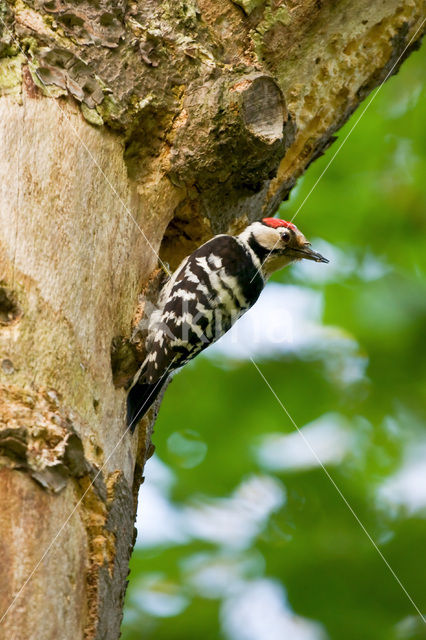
[[140, 398]]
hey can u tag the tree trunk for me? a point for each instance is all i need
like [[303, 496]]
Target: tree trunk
[[130, 130]]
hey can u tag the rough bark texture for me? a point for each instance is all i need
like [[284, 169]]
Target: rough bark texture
[[127, 129]]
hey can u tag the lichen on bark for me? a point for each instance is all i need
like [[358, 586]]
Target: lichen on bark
[[132, 130]]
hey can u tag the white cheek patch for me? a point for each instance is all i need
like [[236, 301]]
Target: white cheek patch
[[268, 238]]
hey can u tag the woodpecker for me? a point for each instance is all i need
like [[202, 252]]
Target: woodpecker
[[209, 291]]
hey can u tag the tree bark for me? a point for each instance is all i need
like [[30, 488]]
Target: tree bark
[[130, 131]]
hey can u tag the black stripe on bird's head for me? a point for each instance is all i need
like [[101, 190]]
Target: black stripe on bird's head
[[277, 243]]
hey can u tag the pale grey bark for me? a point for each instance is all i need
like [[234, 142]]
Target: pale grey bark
[[131, 130]]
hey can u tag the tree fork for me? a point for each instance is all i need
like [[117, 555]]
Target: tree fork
[[130, 130]]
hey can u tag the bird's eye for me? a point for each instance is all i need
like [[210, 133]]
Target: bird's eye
[[285, 236]]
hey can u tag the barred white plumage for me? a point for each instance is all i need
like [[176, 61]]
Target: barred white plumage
[[205, 296]]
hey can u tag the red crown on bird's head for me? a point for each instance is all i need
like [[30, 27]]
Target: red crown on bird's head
[[274, 223]]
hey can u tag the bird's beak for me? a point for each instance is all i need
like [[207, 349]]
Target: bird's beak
[[309, 254]]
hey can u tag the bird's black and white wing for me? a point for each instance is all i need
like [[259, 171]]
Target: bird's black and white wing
[[209, 291]]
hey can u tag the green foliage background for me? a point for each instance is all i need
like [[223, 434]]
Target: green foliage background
[[369, 206]]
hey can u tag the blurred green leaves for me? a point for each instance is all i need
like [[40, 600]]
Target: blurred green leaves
[[218, 417]]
